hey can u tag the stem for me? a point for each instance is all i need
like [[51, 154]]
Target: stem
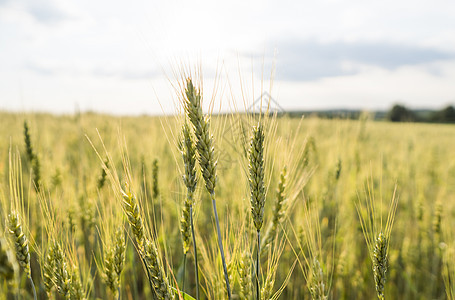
[[118, 292], [220, 244], [196, 266], [184, 269], [258, 291], [33, 287]]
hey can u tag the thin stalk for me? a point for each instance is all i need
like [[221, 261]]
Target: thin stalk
[[184, 271], [196, 266], [33, 287], [220, 244], [118, 293], [258, 291]]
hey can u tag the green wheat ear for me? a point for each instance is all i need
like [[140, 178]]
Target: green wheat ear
[[317, 286], [131, 208], [377, 237], [32, 157], [114, 261], [119, 251], [380, 264], [155, 186], [48, 270], [204, 143], [102, 178], [156, 272], [244, 270], [256, 169], [20, 242], [109, 274], [28, 142], [77, 290], [257, 189], [62, 276], [206, 158]]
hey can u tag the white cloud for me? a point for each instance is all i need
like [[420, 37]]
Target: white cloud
[[59, 52], [374, 88]]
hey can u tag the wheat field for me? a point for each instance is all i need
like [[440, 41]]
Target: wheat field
[[102, 207]]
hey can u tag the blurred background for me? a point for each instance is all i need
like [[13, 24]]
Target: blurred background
[[119, 57]]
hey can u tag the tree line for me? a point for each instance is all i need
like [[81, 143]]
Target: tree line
[[400, 113]]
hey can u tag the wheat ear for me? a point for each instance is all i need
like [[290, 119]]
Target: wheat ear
[[156, 273], [48, 270], [317, 286], [119, 254], [21, 245], [62, 276], [32, 157], [380, 264], [147, 249], [257, 189], [206, 158], [131, 208], [155, 186]]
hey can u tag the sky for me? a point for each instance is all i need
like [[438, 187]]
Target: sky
[[129, 57]]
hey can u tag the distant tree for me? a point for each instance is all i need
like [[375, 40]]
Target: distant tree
[[399, 113], [446, 115]]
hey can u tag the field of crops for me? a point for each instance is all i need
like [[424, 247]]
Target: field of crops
[[98, 207]]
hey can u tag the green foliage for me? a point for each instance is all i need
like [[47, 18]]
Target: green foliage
[[399, 113]]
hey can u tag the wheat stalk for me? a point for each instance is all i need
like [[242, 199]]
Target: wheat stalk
[[376, 236]]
